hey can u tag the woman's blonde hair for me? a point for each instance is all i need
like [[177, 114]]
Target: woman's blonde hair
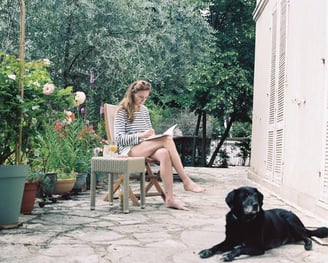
[[128, 103]]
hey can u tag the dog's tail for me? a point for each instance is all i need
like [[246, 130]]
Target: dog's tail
[[320, 232]]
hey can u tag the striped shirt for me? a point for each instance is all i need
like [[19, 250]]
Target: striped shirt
[[126, 133]]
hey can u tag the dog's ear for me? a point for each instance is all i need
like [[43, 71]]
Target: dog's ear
[[230, 198], [260, 195]]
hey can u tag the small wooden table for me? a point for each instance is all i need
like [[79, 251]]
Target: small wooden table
[[115, 166]]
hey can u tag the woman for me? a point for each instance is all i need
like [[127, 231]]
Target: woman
[[132, 126]]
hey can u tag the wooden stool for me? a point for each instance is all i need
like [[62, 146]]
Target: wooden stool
[[115, 166]]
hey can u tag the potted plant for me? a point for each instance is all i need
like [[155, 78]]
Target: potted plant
[[53, 156], [21, 120], [66, 159], [87, 141], [32, 183], [76, 141], [65, 146], [12, 175], [27, 96]]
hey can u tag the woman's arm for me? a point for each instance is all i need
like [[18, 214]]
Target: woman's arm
[[146, 117], [129, 134], [123, 136]]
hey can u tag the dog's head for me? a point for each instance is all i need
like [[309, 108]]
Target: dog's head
[[245, 203]]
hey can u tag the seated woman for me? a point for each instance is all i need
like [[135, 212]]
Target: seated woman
[[132, 126]]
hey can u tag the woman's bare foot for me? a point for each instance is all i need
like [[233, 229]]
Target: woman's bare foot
[[106, 197], [175, 205], [193, 187]]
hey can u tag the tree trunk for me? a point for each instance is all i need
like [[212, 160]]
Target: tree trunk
[[223, 138], [204, 140], [194, 138]]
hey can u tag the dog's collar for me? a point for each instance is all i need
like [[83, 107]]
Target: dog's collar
[[248, 220], [234, 216]]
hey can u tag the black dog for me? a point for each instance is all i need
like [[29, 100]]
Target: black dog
[[250, 230]]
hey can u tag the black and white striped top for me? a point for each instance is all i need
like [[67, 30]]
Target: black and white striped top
[[126, 132]]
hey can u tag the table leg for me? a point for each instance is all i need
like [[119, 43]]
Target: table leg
[[142, 190], [111, 188], [93, 190], [126, 193]]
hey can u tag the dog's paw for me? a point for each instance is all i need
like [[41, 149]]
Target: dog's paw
[[308, 244], [227, 257], [205, 253]]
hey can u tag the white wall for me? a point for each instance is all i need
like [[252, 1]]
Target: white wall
[[304, 121], [305, 100]]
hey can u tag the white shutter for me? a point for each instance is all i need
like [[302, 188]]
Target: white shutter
[[323, 197], [324, 181], [275, 134], [277, 175], [272, 101], [273, 69]]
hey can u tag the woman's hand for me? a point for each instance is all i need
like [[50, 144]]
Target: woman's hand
[[147, 133]]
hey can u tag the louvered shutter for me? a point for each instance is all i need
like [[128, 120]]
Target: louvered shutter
[[324, 182], [275, 139], [272, 101]]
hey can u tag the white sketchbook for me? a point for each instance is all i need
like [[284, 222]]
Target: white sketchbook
[[173, 130]]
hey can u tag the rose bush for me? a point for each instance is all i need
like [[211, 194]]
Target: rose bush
[[41, 102]]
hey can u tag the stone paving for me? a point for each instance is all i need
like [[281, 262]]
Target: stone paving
[[67, 231]]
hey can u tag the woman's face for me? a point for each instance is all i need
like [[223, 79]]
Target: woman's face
[[140, 97]]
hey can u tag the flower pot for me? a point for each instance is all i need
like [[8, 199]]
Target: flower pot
[[29, 196], [64, 186], [12, 180], [81, 183]]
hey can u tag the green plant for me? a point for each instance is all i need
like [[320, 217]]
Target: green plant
[[65, 147], [43, 156], [77, 141], [34, 178], [37, 177], [40, 102]]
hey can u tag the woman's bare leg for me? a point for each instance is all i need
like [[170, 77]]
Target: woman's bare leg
[[188, 184], [167, 178], [163, 156], [148, 148]]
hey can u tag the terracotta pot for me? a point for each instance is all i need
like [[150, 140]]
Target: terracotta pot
[[29, 196], [64, 186]]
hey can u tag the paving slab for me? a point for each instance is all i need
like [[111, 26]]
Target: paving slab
[[68, 231]]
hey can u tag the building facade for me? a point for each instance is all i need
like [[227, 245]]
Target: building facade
[[290, 112]]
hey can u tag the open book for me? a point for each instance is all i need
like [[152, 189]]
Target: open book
[[173, 131]]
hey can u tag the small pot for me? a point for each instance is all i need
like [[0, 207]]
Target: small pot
[[64, 186], [47, 190], [29, 196], [81, 183]]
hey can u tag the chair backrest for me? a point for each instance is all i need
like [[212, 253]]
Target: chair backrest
[[109, 113]]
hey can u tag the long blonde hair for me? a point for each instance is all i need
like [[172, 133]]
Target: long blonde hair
[[128, 103]]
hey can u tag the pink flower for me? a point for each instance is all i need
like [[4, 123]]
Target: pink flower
[[97, 151], [92, 78], [58, 126], [48, 88], [70, 116]]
